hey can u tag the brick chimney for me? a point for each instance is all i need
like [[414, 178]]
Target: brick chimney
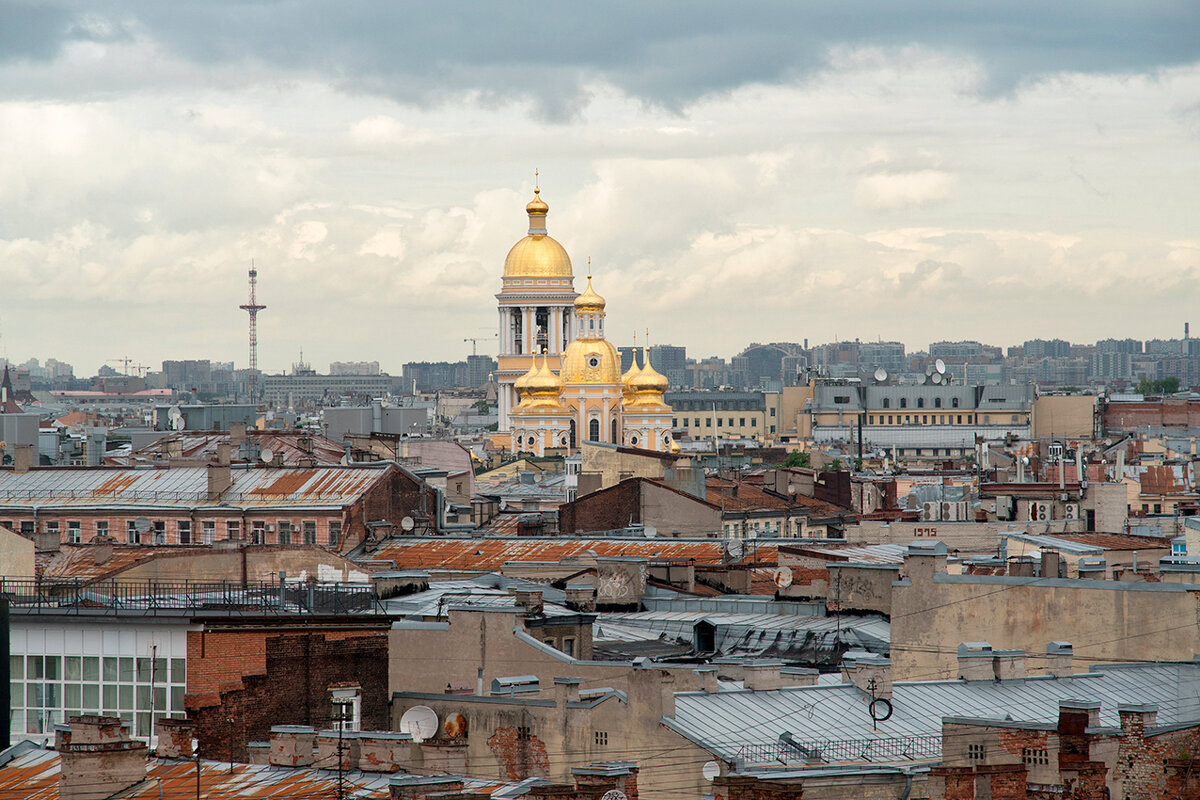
[[1008, 665], [598, 779], [23, 456], [220, 478], [237, 433], [581, 597], [175, 737], [418, 787], [98, 759], [708, 679], [327, 749], [292, 745], [1136, 719], [975, 662], [383, 751], [530, 600], [1059, 659], [102, 551]]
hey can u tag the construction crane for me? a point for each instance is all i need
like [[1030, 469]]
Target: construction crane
[[124, 362], [475, 342]]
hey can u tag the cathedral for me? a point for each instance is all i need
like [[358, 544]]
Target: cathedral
[[559, 378]]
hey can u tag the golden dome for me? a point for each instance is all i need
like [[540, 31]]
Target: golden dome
[[537, 205], [521, 384], [649, 385], [537, 255], [633, 371], [589, 302], [591, 361], [544, 390]]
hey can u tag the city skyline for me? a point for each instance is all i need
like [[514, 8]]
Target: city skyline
[[997, 175]]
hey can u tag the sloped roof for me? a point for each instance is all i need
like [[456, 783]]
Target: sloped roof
[[34, 775], [488, 555], [752, 497], [185, 487], [733, 724], [285, 445], [1165, 479]]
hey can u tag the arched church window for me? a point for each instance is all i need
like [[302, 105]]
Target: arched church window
[[904, 402], [920, 402], [573, 434], [937, 402], [594, 430], [614, 438], [887, 402], [591, 324]]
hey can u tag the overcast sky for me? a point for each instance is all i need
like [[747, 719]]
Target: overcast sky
[[737, 172]]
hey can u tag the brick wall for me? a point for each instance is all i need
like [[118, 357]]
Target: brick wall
[[259, 679]]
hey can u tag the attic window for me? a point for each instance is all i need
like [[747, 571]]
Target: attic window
[[975, 752], [841, 399]]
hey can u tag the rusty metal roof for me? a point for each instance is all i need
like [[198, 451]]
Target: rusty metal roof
[[1165, 479], [184, 487], [202, 445], [34, 775], [488, 555]]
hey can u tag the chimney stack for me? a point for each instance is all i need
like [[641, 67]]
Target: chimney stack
[[1059, 657], [871, 675], [292, 745], [220, 478], [175, 737], [975, 661], [23, 456], [98, 758], [1008, 665]]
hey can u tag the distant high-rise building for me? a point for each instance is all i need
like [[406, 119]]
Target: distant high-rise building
[[1131, 347], [354, 368], [1047, 348], [479, 369], [965, 351], [888, 355]]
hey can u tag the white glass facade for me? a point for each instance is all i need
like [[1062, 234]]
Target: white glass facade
[[120, 667]]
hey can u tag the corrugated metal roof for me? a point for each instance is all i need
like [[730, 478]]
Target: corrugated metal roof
[[34, 776], [728, 722], [487, 555], [184, 487]]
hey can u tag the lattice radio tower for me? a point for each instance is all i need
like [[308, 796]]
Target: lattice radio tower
[[252, 308]]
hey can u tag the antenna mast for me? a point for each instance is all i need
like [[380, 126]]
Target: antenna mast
[[252, 308]]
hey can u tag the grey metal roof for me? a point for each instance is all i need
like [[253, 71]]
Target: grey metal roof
[[747, 725], [482, 592]]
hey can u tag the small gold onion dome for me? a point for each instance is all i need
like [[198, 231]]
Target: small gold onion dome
[[649, 386], [674, 446], [537, 255], [589, 302], [521, 384], [631, 373], [545, 388], [537, 205]]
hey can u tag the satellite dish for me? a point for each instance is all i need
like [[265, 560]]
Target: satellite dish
[[421, 722], [783, 579], [178, 423], [650, 531], [267, 456], [940, 366], [710, 770], [141, 525], [928, 370], [936, 377], [880, 374], [407, 524], [613, 794]]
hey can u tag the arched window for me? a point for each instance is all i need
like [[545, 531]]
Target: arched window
[[954, 402], [904, 402], [937, 402], [594, 431], [614, 438], [887, 402], [591, 324], [572, 445], [920, 402]]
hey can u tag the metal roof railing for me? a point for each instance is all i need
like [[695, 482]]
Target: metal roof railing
[[164, 495], [900, 748], [153, 597]]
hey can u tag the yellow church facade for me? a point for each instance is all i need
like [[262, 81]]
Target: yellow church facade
[[559, 379]]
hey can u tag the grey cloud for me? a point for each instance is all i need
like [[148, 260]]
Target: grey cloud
[[666, 53]]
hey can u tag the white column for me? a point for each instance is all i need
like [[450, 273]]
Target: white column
[[527, 330]]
